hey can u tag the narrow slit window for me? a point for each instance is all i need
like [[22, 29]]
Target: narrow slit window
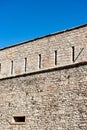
[[0, 67], [73, 53], [56, 57], [39, 61], [19, 119], [25, 64], [11, 67]]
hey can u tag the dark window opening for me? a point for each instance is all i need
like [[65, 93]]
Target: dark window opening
[[73, 53], [11, 67], [39, 60], [19, 119], [56, 57], [0, 67], [25, 64]]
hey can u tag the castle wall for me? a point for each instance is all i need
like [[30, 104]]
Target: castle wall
[[37, 55], [43, 83], [55, 99]]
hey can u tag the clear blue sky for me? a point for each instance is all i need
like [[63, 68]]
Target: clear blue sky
[[22, 20]]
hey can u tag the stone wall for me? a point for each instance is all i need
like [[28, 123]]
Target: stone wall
[[52, 100], [40, 54], [43, 83]]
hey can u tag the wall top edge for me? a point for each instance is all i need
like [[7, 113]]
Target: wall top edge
[[52, 34]]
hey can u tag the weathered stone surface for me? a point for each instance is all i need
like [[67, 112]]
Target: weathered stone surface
[[53, 99], [46, 46]]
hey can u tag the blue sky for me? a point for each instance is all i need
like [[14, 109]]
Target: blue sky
[[22, 20]]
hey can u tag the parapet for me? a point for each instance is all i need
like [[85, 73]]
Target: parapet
[[52, 51]]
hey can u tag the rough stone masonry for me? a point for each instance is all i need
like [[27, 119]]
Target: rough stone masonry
[[43, 82]]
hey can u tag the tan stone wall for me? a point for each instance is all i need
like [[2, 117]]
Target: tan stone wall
[[54, 100], [46, 46], [53, 97]]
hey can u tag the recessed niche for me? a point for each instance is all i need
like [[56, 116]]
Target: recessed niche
[[18, 119]]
